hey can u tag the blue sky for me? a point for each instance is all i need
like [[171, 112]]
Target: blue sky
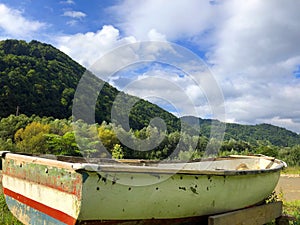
[[251, 47]]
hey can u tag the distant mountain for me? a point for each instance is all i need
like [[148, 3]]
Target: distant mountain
[[250, 133], [37, 78]]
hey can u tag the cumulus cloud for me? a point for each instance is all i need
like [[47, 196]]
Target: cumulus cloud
[[165, 86], [14, 24], [256, 52], [87, 48], [251, 47], [173, 19], [253, 37]]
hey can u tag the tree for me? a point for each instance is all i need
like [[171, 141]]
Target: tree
[[291, 155], [117, 152], [107, 136], [62, 145], [12, 123], [268, 150], [32, 139], [87, 140]]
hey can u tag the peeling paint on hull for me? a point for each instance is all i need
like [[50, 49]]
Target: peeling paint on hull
[[34, 215], [42, 191], [176, 197]]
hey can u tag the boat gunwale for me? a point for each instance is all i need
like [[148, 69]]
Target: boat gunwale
[[153, 170], [119, 167]]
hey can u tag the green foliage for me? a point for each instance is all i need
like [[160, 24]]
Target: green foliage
[[117, 152], [292, 170], [189, 155], [291, 155], [63, 137], [87, 139], [32, 139], [39, 79], [251, 134], [12, 123], [293, 209], [107, 136], [267, 149], [62, 144]]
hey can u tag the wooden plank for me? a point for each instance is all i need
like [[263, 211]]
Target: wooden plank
[[256, 215]]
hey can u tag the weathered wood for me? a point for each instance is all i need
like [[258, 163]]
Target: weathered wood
[[256, 215]]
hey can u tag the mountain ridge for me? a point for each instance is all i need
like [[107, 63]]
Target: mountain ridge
[[248, 133]]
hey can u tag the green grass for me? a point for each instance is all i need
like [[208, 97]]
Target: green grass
[[6, 218], [292, 208], [292, 170]]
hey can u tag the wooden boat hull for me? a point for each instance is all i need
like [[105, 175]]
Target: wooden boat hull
[[43, 191]]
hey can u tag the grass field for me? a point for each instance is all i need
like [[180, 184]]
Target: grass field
[[293, 209], [292, 170]]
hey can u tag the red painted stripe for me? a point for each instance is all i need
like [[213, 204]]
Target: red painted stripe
[[61, 216]]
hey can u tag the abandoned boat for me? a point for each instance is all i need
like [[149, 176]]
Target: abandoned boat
[[50, 191]]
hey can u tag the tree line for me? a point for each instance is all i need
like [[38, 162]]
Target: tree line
[[47, 135]]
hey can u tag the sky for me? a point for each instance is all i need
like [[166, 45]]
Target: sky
[[250, 50]]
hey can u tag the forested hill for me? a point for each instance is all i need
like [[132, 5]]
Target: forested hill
[[249, 133], [37, 78]]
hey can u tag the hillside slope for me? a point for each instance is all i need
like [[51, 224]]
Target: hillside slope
[[37, 78], [249, 133]]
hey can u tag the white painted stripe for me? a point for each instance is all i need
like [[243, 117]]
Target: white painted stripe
[[50, 197]]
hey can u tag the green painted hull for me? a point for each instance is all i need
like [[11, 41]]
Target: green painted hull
[[75, 193], [176, 197]]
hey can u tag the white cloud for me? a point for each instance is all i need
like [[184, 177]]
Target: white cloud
[[173, 19], [72, 22], [89, 47], [257, 34], [153, 35], [159, 84], [257, 49], [163, 87], [74, 14], [70, 2], [14, 24], [253, 46]]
